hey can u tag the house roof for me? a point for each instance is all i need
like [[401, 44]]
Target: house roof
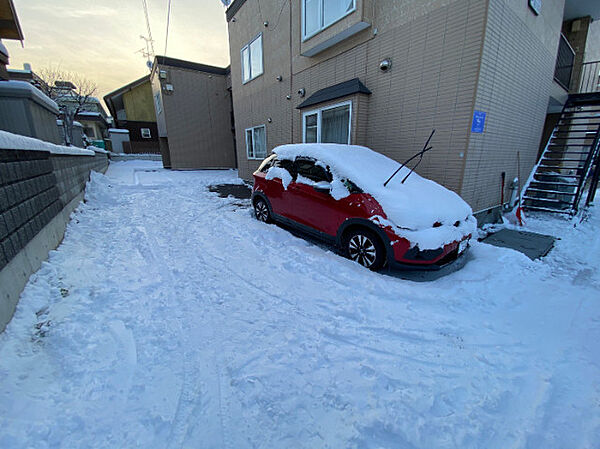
[[182, 64], [350, 87], [9, 22]]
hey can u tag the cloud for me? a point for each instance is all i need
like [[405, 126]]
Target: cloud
[[102, 42]]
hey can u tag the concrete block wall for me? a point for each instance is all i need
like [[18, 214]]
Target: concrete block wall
[[38, 191], [29, 199]]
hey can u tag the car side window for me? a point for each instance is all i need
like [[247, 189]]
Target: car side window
[[309, 169], [352, 188], [287, 165]]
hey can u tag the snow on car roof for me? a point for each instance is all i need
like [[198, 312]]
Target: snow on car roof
[[416, 204]]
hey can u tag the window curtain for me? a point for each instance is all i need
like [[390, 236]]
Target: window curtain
[[260, 142], [334, 125]]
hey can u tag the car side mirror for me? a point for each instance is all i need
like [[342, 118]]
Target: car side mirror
[[322, 187]]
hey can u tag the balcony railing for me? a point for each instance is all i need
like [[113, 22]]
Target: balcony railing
[[590, 78], [564, 63]]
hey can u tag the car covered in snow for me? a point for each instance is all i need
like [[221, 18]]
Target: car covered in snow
[[336, 193]]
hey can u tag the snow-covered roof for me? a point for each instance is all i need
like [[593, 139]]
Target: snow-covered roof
[[89, 114], [10, 141], [415, 205], [118, 131], [34, 91], [98, 149]]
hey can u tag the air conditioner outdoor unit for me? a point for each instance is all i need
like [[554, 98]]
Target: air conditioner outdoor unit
[[169, 87], [162, 74]]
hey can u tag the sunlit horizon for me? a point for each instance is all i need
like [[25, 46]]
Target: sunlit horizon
[[104, 44]]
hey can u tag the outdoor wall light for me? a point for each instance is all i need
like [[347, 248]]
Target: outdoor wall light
[[279, 78], [233, 20], [269, 120], [385, 65], [288, 97], [266, 23], [302, 92]]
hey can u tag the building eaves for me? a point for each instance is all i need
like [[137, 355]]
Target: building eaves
[[350, 87], [10, 28], [180, 63], [233, 8]]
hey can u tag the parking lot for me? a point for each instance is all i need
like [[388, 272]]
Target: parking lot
[[169, 317]]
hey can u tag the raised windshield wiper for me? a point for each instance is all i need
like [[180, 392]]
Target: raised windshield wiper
[[420, 153]]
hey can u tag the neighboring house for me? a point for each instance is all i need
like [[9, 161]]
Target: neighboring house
[[385, 73], [194, 114], [24, 109], [132, 108], [92, 116]]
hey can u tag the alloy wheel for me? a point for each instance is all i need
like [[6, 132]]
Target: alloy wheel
[[362, 250], [262, 211]]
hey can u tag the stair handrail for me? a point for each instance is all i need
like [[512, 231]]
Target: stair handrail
[[586, 170]]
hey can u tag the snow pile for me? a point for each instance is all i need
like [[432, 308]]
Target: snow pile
[[413, 206], [171, 318], [10, 141], [281, 173]]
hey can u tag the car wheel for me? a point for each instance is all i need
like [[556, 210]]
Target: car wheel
[[364, 247], [261, 211]]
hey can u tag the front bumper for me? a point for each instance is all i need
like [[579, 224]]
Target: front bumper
[[432, 260]]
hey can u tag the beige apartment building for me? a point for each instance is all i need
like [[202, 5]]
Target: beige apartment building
[[384, 73], [194, 114]]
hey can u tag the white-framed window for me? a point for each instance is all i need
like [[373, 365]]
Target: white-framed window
[[319, 14], [146, 133], [256, 142], [330, 124], [252, 59]]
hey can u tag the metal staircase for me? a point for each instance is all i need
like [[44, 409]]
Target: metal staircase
[[569, 164]]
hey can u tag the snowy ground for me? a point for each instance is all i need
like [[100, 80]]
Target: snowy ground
[[170, 318]]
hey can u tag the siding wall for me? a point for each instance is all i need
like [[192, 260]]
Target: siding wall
[[514, 84], [435, 47], [197, 120], [138, 103]]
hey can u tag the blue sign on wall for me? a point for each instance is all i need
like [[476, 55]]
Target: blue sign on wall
[[478, 122]]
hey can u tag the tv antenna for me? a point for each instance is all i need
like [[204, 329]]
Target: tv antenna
[[147, 52]]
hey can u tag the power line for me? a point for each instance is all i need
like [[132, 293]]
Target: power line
[[168, 21]]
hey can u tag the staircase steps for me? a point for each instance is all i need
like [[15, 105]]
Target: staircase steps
[[572, 148], [553, 192]]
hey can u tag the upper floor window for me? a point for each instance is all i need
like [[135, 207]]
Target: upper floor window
[[252, 59], [319, 14]]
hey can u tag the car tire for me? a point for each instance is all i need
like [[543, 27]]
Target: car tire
[[262, 211], [364, 247]]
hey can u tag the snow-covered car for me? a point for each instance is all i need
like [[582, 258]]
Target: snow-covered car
[[337, 193]]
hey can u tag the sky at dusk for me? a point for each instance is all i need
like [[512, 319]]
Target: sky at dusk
[[100, 38]]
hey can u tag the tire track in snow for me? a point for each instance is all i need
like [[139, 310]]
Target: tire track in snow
[[195, 395]]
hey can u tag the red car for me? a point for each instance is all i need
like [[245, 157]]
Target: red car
[[337, 193]]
